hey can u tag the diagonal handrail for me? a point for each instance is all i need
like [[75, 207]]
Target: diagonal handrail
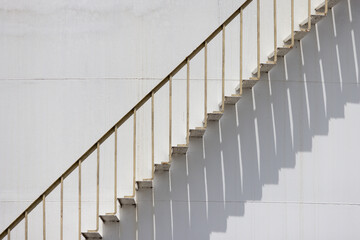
[[95, 146]]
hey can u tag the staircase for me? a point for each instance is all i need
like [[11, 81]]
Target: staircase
[[179, 150]]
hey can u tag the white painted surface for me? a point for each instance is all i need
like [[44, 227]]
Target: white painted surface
[[280, 165]]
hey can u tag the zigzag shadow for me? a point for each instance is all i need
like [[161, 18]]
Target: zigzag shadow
[[258, 137]]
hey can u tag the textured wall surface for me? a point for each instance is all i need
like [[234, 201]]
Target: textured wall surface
[[281, 164]]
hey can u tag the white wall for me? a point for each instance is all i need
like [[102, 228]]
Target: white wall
[[270, 157]]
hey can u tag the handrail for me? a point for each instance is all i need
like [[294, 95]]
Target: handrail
[[103, 138]]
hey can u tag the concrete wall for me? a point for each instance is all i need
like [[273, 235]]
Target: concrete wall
[[279, 165]]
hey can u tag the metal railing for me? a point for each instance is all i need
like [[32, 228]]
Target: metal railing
[[151, 96]]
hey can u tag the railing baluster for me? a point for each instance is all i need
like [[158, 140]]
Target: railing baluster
[[115, 171], [152, 136], [241, 51], [26, 225], [97, 184], [170, 116], [134, 149], [8, 234], [61, 207], [79, 166], [275, 33], [223, 70], [187, 100], [258, 38], [205, 85], [309, 15], [292, 26], [44, 218]]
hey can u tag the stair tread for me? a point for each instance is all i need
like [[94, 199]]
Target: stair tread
[[298, 35], [109, 218], [197, 132], [179, 149], [247, 84], [127, 201], [91, 235], [214, 116], [160, 167], [144, 184], [331, 3], [281, 51], [315, 18], [264, 67]]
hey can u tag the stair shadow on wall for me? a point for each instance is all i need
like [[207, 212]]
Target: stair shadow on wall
[[258, 137]]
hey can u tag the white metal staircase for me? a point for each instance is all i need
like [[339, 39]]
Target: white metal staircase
[[198, 132]]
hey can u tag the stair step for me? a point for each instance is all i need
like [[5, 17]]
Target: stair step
[[233, 99], [331, 3], [144, 184], [162, 167], [314, 19], [109, 218], [247, 84], [91, 235], [197, 132], [264, 67], [281, 51], [127, 201], [180, 149], [298, 35], [214, 116]]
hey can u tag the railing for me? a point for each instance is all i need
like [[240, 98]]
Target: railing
[[151, 95]]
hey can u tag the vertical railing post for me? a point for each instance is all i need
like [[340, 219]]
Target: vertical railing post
[[223, 70], [152, 135], [97, 184], [115, 172], [44, 217], [258, 41], [309, 16], [241, 51], [26, 225], [258, 38], [79, 200], [170, 116], [205, 85], [275, 33], [325, 9], [61, 208], [187, 100], [8, 234], [134, 154], [292, 26]]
